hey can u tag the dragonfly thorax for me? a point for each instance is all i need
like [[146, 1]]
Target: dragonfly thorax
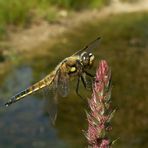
[[72, 66]]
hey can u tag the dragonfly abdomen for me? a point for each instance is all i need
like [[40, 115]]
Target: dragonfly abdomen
[[37, 86]]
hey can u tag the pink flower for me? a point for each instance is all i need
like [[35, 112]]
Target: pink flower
[[100, 112]]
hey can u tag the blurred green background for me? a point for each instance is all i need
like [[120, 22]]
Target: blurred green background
[[124, 45], [21, 13]]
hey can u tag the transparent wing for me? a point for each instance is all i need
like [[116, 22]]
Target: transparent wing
[[59, 87], [90, 46], [62, 84], [51, 104]]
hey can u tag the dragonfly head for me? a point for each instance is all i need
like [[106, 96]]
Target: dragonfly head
[[87, 59]]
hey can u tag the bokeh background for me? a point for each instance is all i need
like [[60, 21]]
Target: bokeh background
[[36, 35]]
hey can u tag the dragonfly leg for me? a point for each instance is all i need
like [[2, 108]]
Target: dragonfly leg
[[89, 74], [77, 88], [87, 84], [83, 81]]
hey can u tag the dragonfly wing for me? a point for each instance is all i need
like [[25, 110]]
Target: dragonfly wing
[[59, 87], [51, 102], [62, 83], [90, 46]]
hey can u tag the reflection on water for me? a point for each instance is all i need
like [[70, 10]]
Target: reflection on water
[[124, 46]]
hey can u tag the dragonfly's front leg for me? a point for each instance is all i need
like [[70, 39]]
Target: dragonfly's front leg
[[77, 88], [86, 83], [89, 74]]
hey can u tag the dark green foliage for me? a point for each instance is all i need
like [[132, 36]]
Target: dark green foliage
[[79, 4], [21, 13]]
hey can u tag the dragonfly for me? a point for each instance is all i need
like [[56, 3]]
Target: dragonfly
[[76, 65]]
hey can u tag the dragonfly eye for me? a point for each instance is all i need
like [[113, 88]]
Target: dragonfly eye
[[90, 54], [92, 57], [87, 58], [84, 58]]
